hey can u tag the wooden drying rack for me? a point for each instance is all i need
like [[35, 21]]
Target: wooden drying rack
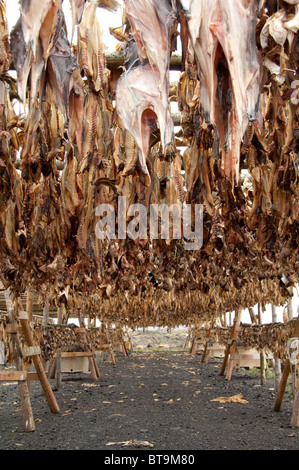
[[230, 350], [21, 375], [232, 356], [55, 366]]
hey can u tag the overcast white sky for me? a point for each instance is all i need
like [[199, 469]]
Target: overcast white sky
[[106, 19]]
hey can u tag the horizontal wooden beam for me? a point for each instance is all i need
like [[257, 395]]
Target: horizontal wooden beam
[[12, 375], [31, 351], [76, 354], [12, 328], [115, 60], [17, 376]]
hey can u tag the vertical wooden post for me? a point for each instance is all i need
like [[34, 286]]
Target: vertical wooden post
[[232, 351], [233, 338], [123, 344], [193, 344], [252, 315], [295, 414], [27, 414], [58, 353], [92, 361], [45, 323], [263, 368], [204, 354], [277, 361], [52, 368], [29, 303], [262, 354], [285, 374], [230, 362], [110, 348], [46, 313]]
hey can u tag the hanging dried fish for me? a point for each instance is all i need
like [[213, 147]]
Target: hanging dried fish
[[141, 108]]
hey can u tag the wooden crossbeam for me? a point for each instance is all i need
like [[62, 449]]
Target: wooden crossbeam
[[31, 351], [13, 375], [77, 354], [17, 376], [12, 328]]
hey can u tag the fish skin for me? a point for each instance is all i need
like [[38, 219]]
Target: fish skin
[[35, 31], [140, 105], [4, 40], [146, 16], [91, 55], [214, 27], [131, 153]]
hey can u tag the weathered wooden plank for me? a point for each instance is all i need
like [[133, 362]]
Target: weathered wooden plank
[[80, 330], [13, 375], [31, 351], [23, 315], [32, 376], [77, 354], [115, 60], [12, 328]]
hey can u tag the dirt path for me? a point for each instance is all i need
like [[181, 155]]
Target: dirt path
[[159, 400]]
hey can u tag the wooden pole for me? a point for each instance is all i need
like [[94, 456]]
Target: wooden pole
[[58, 353], [283, 382], [277, 361], [46, 313], [230, 362], [38, 364], [233, 338], [27, 414], [45, 323], [206, 344], [233, 350], [262, 354], [285, 375], [295, 414], [110, 348], [252, 315], [29, 303], [115, 60], [92, 361]]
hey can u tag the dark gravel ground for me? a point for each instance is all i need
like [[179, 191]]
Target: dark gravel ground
[[154, 401]]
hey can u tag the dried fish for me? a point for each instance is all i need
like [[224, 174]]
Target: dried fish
[[79, 145]]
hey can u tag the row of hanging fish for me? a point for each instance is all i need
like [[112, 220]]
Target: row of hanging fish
[[87, 136]]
